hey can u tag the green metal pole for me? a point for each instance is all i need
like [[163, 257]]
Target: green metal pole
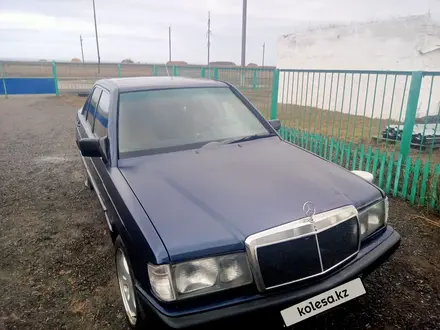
[[119, 69], [154, 70], [175, 71], [411, 111], [203, 72], [275, 84], [215, 73], [55, 78], [254, 80], [3, 80]]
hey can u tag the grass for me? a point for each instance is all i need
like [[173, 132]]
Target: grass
[[348, 127]]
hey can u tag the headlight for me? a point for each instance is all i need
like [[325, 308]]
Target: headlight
[[195, 275], [199, 277], [373, 218]]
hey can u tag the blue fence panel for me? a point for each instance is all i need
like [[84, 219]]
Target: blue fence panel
[[19, 86]]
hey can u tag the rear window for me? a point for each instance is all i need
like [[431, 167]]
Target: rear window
[[92, 106], [162, 119]]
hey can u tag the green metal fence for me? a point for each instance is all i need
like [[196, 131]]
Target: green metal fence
[[384, 122]]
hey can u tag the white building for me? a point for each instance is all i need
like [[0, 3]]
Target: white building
[[404, 44]]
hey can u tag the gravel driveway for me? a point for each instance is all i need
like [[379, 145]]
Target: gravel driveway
[[56, 264]]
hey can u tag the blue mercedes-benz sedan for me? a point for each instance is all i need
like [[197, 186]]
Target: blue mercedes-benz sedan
[[213, 215]]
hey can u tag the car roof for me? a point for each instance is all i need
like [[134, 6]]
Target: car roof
[[148, 83]]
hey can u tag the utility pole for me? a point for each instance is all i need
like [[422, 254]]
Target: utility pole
[[169, 43], [209, 36], [243, 34], [96, 36], [264, 48], [82, 50]]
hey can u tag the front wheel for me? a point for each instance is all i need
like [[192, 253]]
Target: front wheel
[[136, 317]]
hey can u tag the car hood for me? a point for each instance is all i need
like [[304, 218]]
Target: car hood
[[207, 201]]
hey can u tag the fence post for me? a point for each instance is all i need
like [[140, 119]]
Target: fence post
[[175, 71], [55, 77], [274, 104], [2, 68], [215, 73], [411, 111], [202, 72], [242, 78], [154, 70], [119, 69], [254, 80]]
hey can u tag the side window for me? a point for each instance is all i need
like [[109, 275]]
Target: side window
[[92, 106], [85, 107], [101, 118]]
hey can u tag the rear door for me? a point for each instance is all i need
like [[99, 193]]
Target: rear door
[[100, 166], [92, 121]]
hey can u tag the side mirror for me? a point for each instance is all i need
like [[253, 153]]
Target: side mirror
[[367, 176], [275, 123], [93, 147]]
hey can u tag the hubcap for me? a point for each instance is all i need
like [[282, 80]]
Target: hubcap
[[126, 286]]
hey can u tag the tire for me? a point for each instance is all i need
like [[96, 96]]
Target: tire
[[136, 317]]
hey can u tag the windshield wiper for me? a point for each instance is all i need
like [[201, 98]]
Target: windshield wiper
[[247, 138], [239, 139]]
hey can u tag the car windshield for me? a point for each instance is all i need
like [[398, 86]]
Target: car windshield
[[160, 120]]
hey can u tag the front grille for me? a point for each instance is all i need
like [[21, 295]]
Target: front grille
[[289, 261], [304, 248], [338, 243]]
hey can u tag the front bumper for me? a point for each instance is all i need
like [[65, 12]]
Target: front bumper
[[375, 252]]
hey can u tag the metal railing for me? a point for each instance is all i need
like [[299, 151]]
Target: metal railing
[[384, 122]]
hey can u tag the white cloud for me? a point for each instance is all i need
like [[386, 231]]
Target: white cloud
[[47, 24], [139, 28]]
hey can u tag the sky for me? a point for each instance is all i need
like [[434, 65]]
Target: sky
[[138, 29]]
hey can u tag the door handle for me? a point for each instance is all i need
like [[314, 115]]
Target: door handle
[[78, 124]]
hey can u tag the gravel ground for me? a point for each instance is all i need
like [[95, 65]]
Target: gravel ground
[[56, 264]]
